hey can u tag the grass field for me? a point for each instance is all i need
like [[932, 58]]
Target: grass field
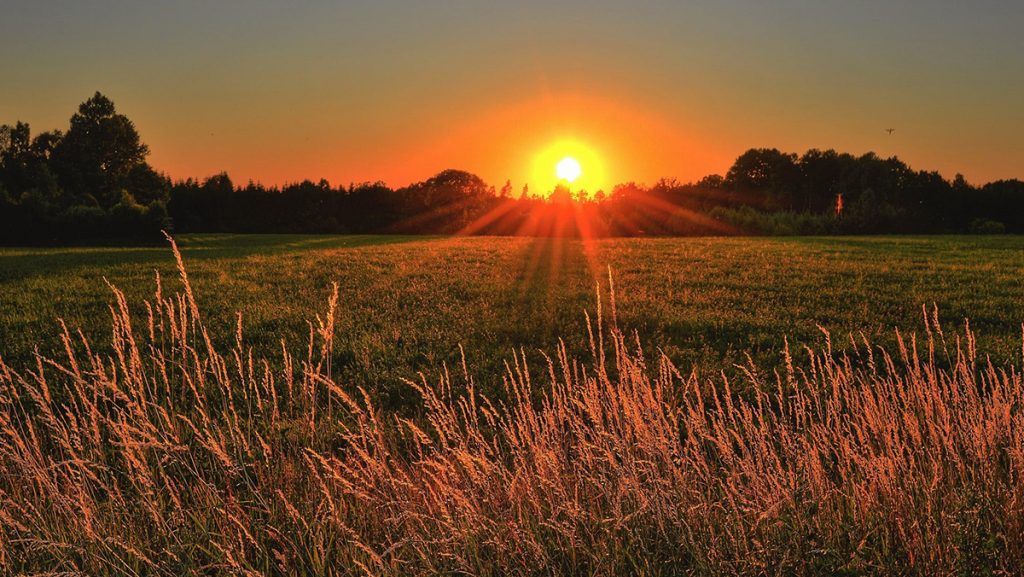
[[168, 444], [407, 303]]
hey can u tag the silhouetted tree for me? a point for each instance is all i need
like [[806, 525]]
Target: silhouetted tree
[[822, 174], [445, 203], [561, 194], [98, 154], [773, 173]]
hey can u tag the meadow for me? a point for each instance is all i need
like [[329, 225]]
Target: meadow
[[406, 304], [713, 406]]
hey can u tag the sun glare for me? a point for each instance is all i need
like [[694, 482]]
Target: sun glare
[[567, 161], [568, 169]]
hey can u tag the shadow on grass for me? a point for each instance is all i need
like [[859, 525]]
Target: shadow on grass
[[21, 263]]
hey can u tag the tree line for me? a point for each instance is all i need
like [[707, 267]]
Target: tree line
[[93, 183]]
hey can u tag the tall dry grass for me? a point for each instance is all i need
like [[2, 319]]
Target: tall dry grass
[[166, 456]]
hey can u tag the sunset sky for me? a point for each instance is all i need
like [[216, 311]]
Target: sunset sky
[[398, 90]]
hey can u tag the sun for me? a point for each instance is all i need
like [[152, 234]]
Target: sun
[[568, 161], [568, 169]]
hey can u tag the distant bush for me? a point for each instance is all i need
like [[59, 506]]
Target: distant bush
[[986, 226], [752, 221], [82, 222]]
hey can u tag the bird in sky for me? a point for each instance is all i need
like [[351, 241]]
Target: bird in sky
[[890, 130]]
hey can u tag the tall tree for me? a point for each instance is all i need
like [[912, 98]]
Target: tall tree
[[96, 157]]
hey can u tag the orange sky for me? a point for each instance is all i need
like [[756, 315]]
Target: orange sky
[[397, 90], [524, 141], [518, 138]]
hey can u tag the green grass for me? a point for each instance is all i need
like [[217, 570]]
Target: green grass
[[407, 303]]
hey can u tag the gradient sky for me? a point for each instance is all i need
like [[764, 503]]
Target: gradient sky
[[398, 90]]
